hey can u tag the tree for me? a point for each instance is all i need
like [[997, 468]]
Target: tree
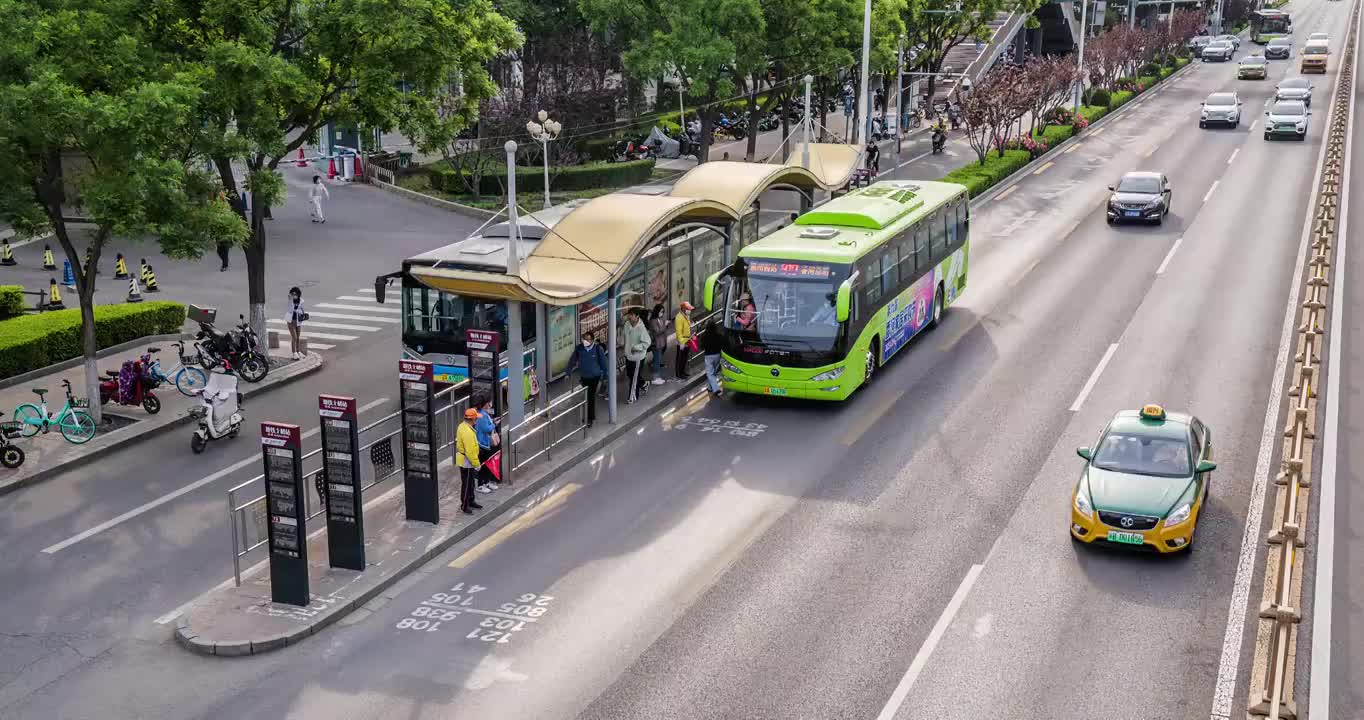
[[94, 128], [278, 71], [561, 55], [706, 43], [937, 26], [1050, 80]]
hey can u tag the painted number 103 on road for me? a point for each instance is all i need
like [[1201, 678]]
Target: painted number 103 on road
[[511, 617]]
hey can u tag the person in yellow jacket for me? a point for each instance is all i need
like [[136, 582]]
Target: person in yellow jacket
[[682, 323], [467, 460]]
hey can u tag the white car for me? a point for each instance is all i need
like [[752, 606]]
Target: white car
[[1319, 36], [1219, 51], [1221, 108], [1286, 118], [1235, 41]]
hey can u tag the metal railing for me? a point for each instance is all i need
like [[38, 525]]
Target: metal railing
[[247, 518], [543, 430], [1272, 685]]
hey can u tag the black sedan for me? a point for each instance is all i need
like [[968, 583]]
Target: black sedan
[[1279, 49], [1139, 196]]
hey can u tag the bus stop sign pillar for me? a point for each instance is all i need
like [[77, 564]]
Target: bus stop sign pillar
[[611, 360], [516, 361], [421, 491], [286, 531], [341, 460]]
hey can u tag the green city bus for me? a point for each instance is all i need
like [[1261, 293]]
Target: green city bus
[[1265, 25], [813, 309]]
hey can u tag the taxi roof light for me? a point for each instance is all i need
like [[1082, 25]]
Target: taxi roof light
[[1152, 411]]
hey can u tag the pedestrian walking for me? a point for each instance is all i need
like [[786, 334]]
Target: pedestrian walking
[[682, 328], [294, 318], [485, 430], [712, 343], [315, 195], [590, 360], [467, 459], [223, 249], [658, 329], [637, 342]]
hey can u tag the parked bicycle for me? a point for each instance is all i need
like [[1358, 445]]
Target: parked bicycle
[[75, 424], [11, 455], [185, 376]]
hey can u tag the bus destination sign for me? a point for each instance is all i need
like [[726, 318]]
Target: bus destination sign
[[791, 270]]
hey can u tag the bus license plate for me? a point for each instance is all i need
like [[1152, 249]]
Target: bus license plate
[[1129, 538], [776, 391]]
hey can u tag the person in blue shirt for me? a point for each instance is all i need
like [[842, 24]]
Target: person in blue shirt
[[484, 430], [590, 360]]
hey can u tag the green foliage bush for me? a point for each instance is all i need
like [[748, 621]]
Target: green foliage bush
[[11, 301], [979, 177], [1092, 113], [31, 342], [1149, 69], [1099, 97], [1054, 135], [1147, 81], [531, 179], [1120, 98]]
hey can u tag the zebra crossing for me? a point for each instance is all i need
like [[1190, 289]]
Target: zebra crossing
[[344, 320]]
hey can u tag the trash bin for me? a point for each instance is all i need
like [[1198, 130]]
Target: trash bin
[[348, 166], [404, 159]]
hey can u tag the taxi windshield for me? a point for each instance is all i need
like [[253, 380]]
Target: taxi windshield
[[1143, 455]]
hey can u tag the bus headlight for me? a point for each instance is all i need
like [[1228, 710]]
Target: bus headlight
[[727, 365], [827, 375]]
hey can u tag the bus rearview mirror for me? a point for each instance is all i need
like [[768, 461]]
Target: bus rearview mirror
[[843, 302]]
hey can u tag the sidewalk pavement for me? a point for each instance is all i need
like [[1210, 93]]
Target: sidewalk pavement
[[48, 455], [243, 621]]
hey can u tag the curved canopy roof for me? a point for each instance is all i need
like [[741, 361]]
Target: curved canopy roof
[[595, 244]]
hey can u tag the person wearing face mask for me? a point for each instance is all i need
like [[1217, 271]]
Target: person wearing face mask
[[294, 317], [590, 360]]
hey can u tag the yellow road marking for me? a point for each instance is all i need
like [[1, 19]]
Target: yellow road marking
[[527, 519], [1025, 272], [871, 418], [1043, 169], [1072, 149], [1097, 132], [1006, 193]]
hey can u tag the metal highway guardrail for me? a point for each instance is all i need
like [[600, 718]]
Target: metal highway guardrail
[[1272, 686]]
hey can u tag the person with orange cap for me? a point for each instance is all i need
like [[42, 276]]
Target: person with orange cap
[[466, 459], [682, 324]]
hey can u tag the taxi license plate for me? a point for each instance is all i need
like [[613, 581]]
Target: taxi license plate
[[776, 391], [1129, 538], [1133, 213]]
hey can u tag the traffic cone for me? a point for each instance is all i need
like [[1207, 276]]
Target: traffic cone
[[48, 262], [151, 280], [68, 277], [133, 294], [89, 257], [120, 268], [6, 255], [301, 161], [144, 270], [54, 293], [359, 173], [331, 168]]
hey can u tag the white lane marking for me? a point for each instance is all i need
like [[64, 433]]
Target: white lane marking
[[1233, 155], [914, 159], [897, 698], [332, 326], [1018, 222], [1093, 378], [1161, 270], [344, 316], [355, 297], [319, 346], [1252, 126], [366, 291], [375, 308], [1319, 685], [596, 460], [1228, 667], [669, 411], [1211, 190], [327, 336], [158, 502], [182, 609]]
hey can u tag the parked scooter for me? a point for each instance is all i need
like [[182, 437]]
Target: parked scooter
[[11, 455], [131, 385], [219, 410], [238, 350]]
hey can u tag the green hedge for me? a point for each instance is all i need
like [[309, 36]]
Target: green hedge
[[529, 179], [1147, 81], [1099, 97], [11, 301], [1092, 113], [1119, 98], [978, 178], [1054, 135], [31, 342]]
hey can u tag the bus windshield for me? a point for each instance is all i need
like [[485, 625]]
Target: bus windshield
[[786, 304], [1272, 24]]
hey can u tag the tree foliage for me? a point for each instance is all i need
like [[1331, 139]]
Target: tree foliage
[[96, 126], [937, 26]]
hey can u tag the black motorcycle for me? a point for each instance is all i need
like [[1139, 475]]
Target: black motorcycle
[[236, 350], [939, 140]]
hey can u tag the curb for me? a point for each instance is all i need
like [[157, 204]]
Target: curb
[[425, 199], [1020, 174], [186, 638], [106, 352], [142, 430]]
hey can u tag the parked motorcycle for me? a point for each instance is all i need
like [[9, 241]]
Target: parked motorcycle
[[131, 385], [238, 350], [219, 410], [11, 455]]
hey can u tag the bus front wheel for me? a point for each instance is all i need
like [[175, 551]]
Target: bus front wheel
[[937, 308], [873, 358]]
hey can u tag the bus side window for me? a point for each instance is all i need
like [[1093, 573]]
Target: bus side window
[[870, 279], [950, 217], [904, 250], [936, 225], [963, 219], [889, 277], [921, 257]]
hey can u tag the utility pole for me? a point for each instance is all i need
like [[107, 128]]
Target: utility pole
[[805, 126], [865, 125], [516, 371], [899, 100], [1080, 55]]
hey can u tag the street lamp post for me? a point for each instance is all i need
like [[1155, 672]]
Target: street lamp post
[[899, 100], [1080, 73], [865, 125], [543, 132]]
